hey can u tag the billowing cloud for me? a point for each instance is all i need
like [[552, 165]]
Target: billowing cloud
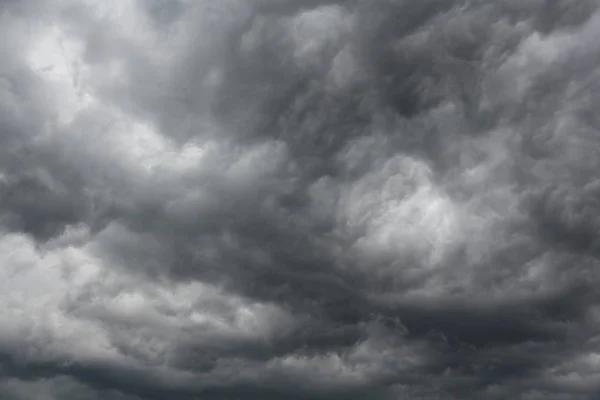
[[299, 199]]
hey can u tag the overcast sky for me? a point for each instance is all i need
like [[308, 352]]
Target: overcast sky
[[299, 199]]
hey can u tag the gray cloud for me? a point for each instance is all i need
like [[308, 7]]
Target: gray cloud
[[299, 199]]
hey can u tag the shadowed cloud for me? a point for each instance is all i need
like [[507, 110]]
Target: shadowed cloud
[[299, 199]]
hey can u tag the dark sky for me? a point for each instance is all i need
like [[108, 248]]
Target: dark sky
[[299, 199]]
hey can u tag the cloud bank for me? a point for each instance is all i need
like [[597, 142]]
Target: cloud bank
[[305, 199]]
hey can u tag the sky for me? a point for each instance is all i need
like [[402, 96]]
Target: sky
[[299, 199]]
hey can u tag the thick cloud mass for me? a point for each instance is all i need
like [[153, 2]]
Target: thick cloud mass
[[299, 199]]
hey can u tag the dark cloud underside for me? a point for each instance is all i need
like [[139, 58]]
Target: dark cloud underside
[[299, 199]]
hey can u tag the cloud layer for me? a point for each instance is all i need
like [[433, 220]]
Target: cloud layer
[[302, 199]]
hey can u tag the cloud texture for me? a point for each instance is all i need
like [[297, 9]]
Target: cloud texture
[[299, 199]]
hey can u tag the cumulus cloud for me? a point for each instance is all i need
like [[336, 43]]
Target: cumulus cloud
[[305, 199]]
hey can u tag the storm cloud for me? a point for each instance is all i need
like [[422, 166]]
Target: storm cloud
[[299, 199]]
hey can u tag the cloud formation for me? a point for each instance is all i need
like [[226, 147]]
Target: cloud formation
[[308, 199]]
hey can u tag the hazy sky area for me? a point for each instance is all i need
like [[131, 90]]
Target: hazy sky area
[[299, 200]]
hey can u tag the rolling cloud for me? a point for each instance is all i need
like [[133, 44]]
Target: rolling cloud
[[277, 199]]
